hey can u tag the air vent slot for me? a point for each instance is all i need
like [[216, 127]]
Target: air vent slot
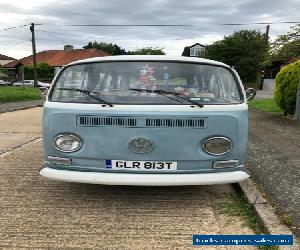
[[176, 122], [114, 121]]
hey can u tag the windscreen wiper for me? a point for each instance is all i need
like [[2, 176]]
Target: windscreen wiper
[[140, 90], [90, 94], [163, 92]]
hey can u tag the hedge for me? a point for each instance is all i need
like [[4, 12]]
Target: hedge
[[286, 87], [44, 71]]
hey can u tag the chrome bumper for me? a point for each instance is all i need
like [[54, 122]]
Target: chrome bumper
[[137, 179]]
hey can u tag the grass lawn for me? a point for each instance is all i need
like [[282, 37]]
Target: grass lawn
[[15, 94], [267, 105]]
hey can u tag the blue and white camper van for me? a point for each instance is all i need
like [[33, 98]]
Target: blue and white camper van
[[146, 120]]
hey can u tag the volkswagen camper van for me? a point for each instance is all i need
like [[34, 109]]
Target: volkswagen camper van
[[146, 120]]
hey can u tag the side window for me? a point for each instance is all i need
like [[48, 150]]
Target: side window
[[229, 86], [72, 78]]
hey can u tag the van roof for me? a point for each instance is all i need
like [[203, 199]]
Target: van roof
[[149, 58]]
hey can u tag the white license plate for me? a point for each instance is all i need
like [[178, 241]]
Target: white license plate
[[141, 165]]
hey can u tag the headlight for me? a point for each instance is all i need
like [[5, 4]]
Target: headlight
[[217, 145], [67, 143]]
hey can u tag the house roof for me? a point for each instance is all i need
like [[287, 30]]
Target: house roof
[[58, 58], [196, 45], [4, 57]]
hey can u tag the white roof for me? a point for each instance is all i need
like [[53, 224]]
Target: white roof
[[150, 58]]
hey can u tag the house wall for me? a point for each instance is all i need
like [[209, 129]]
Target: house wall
[[2, 62], [56, 69], [196, 50]]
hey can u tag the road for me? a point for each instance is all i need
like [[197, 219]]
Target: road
[[38, 213]]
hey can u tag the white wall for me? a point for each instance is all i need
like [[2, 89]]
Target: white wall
[[196, 50], [2, 62]]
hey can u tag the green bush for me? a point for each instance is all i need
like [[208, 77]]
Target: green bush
[[44, 71], [286, 87]]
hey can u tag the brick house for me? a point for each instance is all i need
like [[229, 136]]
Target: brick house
[[55, 58]]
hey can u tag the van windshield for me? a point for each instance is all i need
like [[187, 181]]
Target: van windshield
[[145, 82]]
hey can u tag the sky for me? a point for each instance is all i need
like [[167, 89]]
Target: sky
[[54, 16]]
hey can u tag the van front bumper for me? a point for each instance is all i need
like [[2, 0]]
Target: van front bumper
[[137, 179]]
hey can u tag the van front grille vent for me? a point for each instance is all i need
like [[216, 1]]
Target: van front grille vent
[[175, 122], [141, 122], [95, 121]]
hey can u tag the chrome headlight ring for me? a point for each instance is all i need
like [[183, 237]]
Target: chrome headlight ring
[[227, 145], [75, 141]]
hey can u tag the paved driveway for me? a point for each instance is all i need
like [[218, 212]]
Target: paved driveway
[[268, 90], [38, 213], [11, 106], [19, 127]]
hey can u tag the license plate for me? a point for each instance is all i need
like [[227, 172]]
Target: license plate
[[140, 165]]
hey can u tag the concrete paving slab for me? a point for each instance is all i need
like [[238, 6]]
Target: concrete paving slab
[[264, 94], [13, 106], [19, 127], [268, 90], [22, 121], [269, 84], [38, 213], [10, 141]]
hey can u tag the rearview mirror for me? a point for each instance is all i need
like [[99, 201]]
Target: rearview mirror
[[250, 94], [44, 92]]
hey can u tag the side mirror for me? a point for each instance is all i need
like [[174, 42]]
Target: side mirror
[[43, 92], [250, 94]]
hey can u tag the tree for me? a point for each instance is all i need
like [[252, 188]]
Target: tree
[[286, 87], [112, 49], [44, 71], [148, 51], [285, 47], [3, 70], [245, 50]]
